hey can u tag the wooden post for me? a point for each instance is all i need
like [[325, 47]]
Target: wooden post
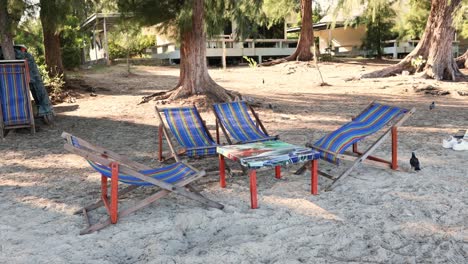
[[94, 40], [222, 172], [224, 54], [253, 189], [106, 45], [394, 148]]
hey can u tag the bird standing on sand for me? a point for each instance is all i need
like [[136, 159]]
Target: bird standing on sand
[[415, 162], [432, 106]]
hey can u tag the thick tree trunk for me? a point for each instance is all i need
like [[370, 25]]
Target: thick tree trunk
[[52, 50], [462, 61], [194, 78], [5, 32], [306, 38], [53, 53], [435, 46]]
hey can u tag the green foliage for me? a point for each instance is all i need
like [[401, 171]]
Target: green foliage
[[173, 17], [411, 22], [127, 39], [252, 63], [71, 40], [54, 83], [29, 33], [460, 19], [379, 28], [15, 10], [53, 13], [277, 10]]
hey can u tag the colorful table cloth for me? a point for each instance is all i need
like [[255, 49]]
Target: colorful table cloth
[[267, 154]]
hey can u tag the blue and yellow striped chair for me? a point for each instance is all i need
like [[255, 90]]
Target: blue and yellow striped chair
[[189, 129], [374, 118], [174, 178], [236, 122], [15, 110]]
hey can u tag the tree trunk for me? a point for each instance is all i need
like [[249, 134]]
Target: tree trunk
[[194, 78], [53, 53], [306, 38], [5, 32], [52, 50], [435, 46], [462, 61]]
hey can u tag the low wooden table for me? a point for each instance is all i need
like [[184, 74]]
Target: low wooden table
[[260, 155]]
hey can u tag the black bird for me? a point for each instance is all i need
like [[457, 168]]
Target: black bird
[[432, 106], [414, 162]]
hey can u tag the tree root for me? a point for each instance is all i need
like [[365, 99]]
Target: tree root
[[390, 71], [273, 62], [214, 94]]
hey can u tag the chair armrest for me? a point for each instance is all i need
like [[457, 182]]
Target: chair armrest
[[310, 145]]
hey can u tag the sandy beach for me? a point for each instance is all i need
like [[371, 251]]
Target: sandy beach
[[372, 216]]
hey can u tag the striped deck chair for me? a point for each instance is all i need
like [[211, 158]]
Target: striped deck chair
[[236, 122], [374, 118], [189, 129], [174, 178], [16, 110]]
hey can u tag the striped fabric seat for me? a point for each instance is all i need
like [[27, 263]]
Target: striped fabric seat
[[235, 118], [14, 97], [367, 123], [188, 129], [172, 174]]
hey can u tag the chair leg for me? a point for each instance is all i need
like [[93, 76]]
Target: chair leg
[[394, 148], [253, 189], [127, 211], [160, 132], [217, 132], [114, 207], [302, 169], [99, 203], [360, 159], [314, 177], [278, 172], [222, 172]]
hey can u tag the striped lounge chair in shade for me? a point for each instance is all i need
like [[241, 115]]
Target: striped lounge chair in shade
[[374, 118], [16, 110], [236, 122], [188, 128], [174, 178]]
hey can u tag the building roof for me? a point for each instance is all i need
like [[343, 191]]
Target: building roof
[[317, 27], [96, 21]]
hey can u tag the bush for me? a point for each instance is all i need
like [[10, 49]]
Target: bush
[[71, 41], [54, 84]]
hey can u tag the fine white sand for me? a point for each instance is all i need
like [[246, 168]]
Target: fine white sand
[[374, 215]]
